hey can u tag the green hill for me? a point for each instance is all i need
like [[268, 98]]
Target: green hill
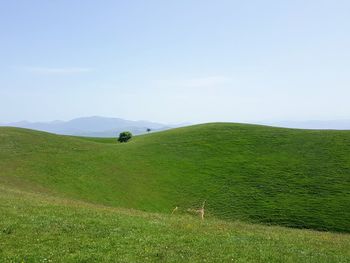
[[259, 174]]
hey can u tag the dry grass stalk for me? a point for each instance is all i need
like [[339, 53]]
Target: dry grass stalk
[[200, 211], [175, 209]]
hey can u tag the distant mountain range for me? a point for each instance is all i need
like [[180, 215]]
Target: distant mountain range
[[313, 124], [94, 126], [97, 126]]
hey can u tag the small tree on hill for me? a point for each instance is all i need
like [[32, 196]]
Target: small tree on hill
[[124, 136], [148, 129]]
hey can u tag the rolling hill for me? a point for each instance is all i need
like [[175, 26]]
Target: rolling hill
[[256, 174]]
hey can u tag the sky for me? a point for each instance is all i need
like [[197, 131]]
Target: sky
[[175, 61]]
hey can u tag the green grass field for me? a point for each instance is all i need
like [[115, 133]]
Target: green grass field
[[92, 200], [41, 228]]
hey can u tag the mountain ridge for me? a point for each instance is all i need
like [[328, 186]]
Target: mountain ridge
[[95, 126]]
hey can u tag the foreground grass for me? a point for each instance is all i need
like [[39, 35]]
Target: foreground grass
[[40, 228]]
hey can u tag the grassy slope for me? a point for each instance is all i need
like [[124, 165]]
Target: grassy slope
[[41, 228], [253, 173]]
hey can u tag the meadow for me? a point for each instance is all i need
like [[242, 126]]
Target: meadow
[[271, 193], [42, 228]]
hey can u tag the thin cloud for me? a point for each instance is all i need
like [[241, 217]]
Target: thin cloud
[[203, 82], [57, 71]]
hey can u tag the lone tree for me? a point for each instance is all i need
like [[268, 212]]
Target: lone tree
[[124, 136], [148, 129]]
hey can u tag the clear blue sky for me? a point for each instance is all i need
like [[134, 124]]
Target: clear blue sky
[[175, 61]]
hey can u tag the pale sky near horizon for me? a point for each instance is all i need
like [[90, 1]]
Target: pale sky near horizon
[[175, 61]]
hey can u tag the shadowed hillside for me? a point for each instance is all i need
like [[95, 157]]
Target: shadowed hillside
[[252, 173]]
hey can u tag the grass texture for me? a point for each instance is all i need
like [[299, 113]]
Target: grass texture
[[255, 174], [42, 228]]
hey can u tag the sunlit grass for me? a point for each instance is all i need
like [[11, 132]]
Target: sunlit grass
[[250, 173], [41, 228]]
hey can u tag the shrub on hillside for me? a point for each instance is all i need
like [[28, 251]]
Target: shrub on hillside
[[124, 136]]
